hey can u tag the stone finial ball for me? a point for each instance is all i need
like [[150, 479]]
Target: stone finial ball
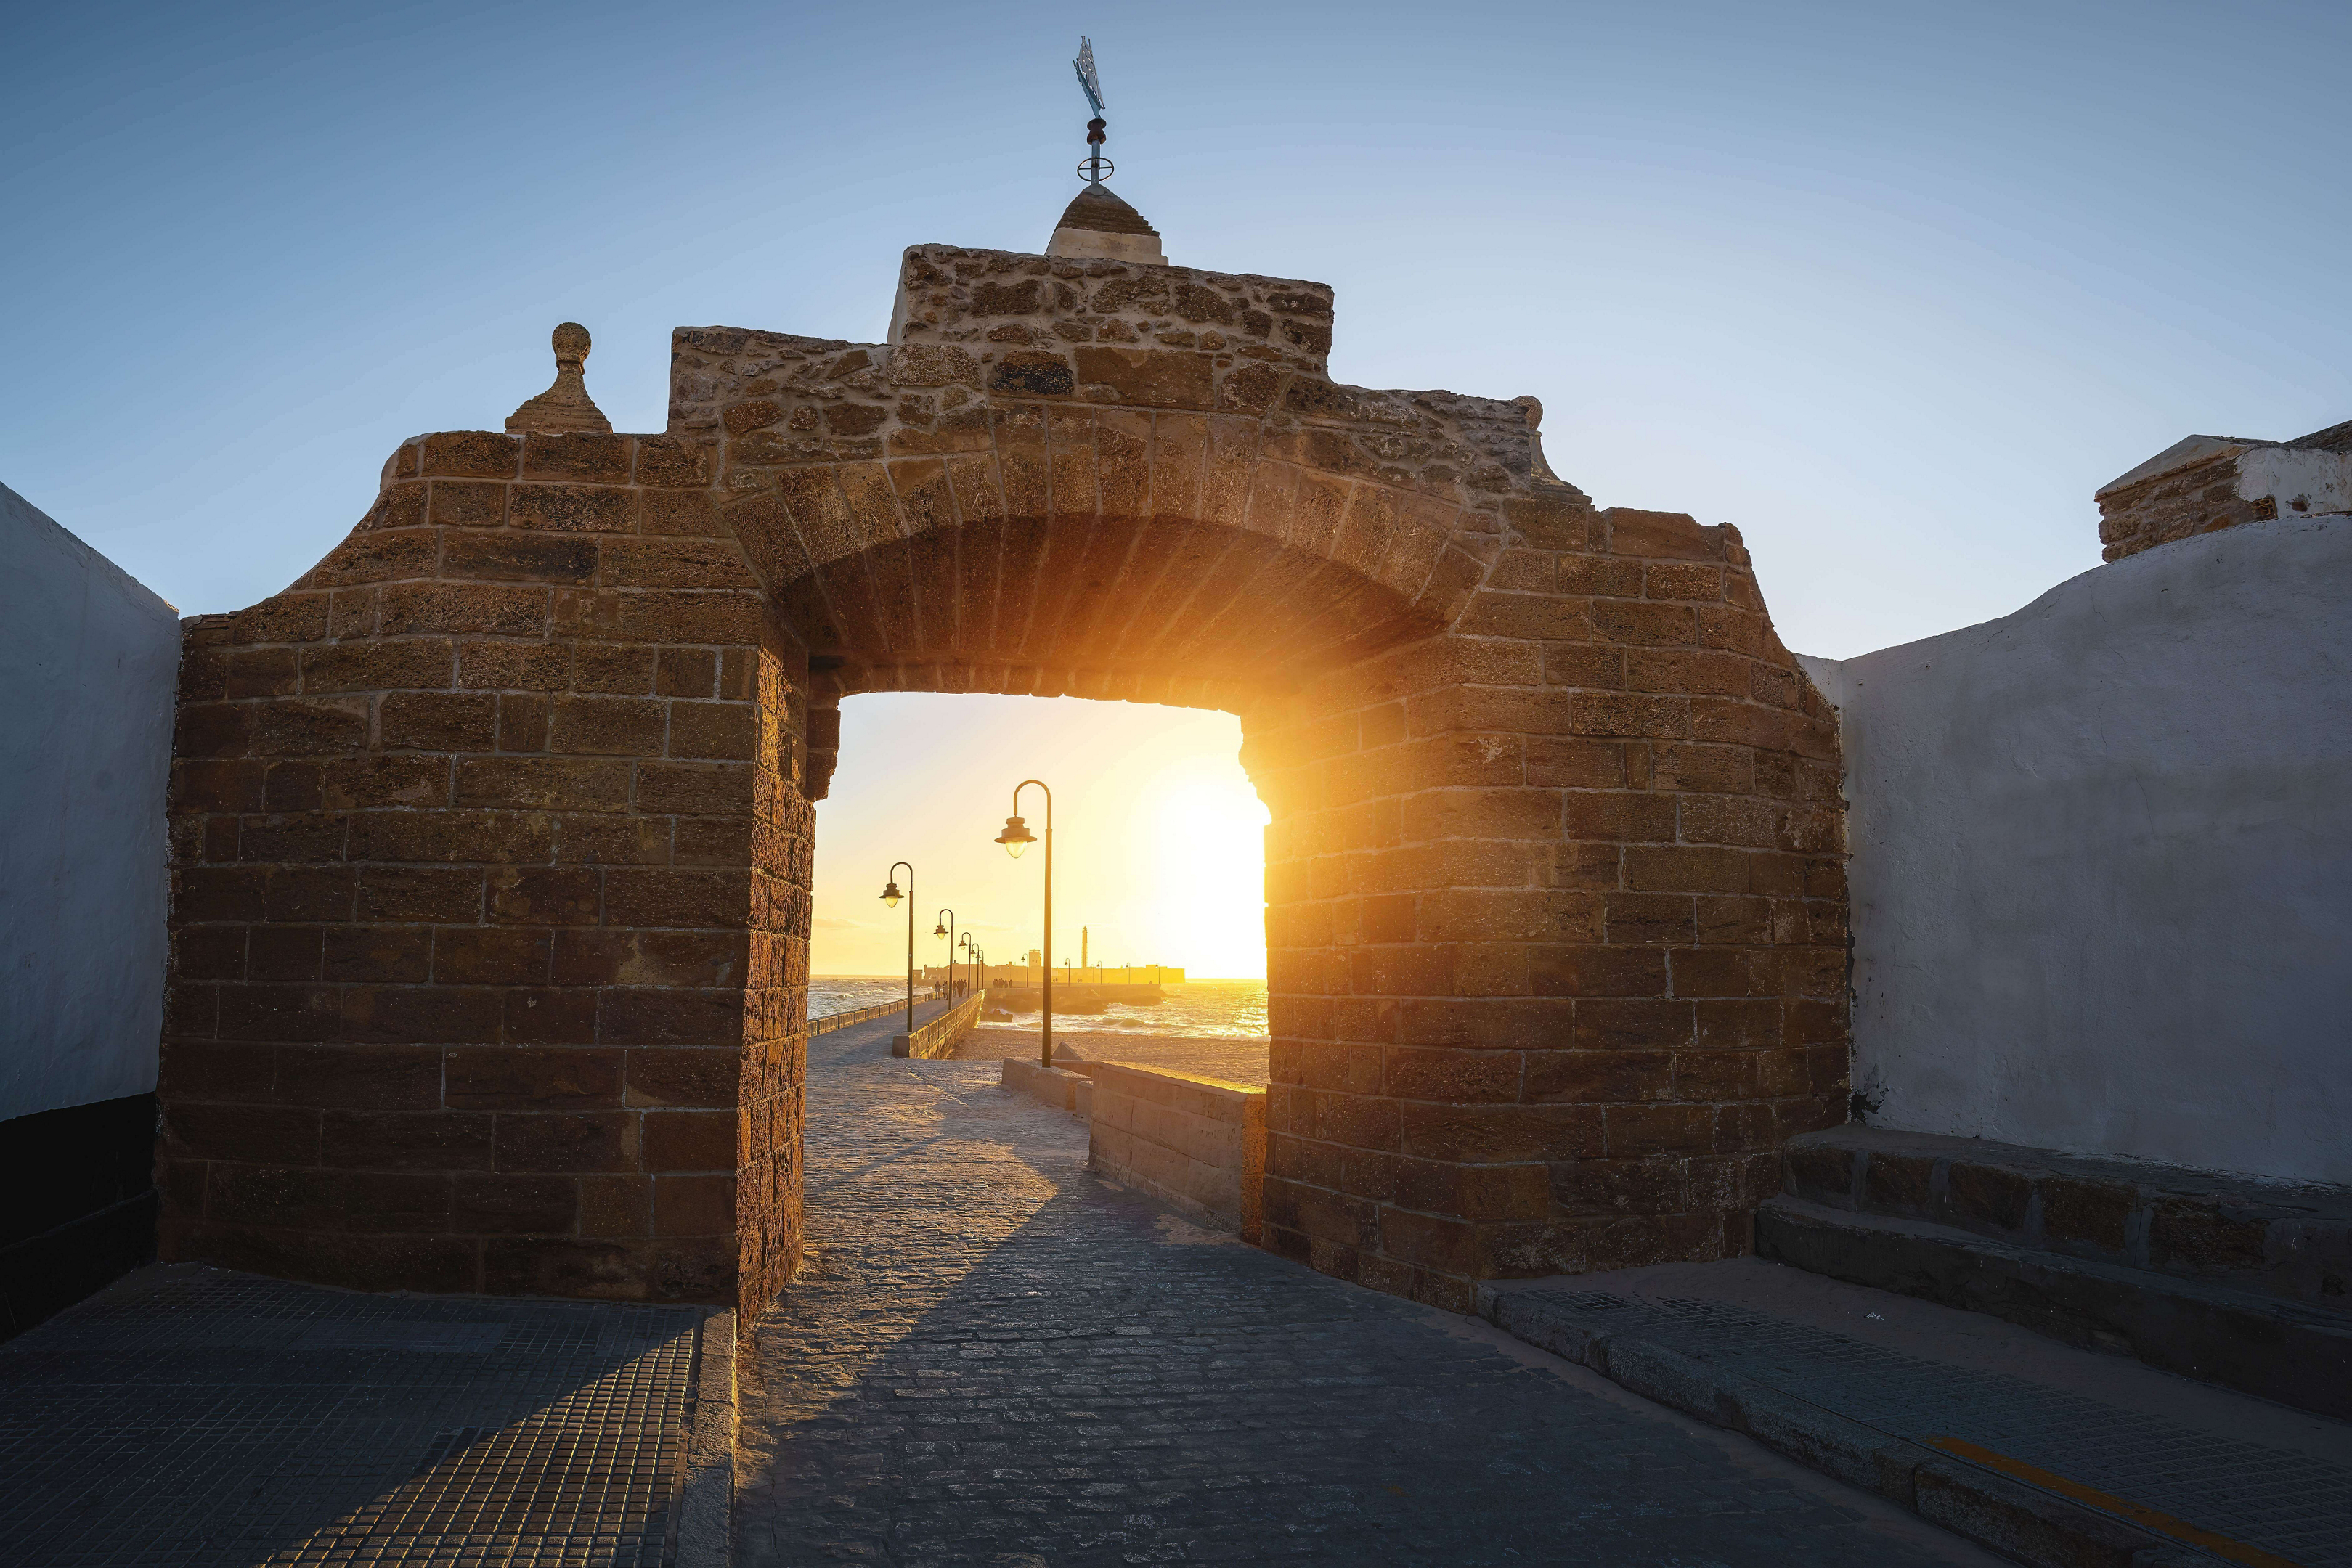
[[1534, 407], [570, 340]]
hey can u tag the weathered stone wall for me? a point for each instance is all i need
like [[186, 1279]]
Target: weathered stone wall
[[490, 895], [1555, 898]]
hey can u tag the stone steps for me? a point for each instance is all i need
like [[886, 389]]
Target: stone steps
[[2233, 1280]]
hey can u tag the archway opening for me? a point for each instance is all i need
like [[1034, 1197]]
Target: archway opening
[[1160, 873]]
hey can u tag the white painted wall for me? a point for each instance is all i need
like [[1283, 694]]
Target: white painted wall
[[2101, 860], [88, 665]]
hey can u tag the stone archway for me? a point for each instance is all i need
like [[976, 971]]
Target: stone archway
[[493, 834]]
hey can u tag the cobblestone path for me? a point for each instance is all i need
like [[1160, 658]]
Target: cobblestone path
[[992, 1357]]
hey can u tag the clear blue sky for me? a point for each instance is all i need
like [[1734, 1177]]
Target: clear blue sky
[[1892, 286]]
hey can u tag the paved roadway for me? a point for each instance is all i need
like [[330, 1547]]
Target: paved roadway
[[994, 1358]]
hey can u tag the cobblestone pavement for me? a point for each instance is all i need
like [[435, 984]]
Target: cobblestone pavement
[[189, 1418], [994, 1358]]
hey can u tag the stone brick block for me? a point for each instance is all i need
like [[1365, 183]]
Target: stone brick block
[[407, 1141], [535, 783], [1987, 1195], [542, 896], [434, 1015], [694, 1205], [409, 607], [287, 1135], [440, 721], [417, 893], [690, 1140], [360, 783], [544, 1017], [2086, 1213], [283, 953], [450, 836], [702, 899], [2189, 1236], [490, 956], [472, 454], [423, 663], [553, 1079], [1898, 1184], [506, 555], [468, 503], [567, 1141], [386, 955], [685, 1078], [360, 1077]]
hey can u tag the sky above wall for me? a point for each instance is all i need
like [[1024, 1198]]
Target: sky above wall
[[1892, 288]]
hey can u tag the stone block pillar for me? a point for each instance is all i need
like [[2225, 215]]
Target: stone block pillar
[[490, 888], [1555, 922]]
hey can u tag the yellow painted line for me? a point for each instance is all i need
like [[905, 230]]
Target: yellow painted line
[[2178, 1529]]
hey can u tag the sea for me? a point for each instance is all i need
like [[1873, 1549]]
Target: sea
[[1200, 1009]]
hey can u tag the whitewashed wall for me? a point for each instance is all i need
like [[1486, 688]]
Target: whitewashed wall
[[2102, 862], [89, 663]]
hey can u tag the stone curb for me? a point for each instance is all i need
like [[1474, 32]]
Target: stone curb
[[705, 1509], [2020, 1522]]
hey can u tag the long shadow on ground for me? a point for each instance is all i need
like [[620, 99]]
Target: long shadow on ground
[[995, 1358]]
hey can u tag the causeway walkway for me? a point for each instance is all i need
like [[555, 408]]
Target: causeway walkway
[[995, 1358]]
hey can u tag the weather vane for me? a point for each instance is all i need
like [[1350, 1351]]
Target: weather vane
[[1097, 166]]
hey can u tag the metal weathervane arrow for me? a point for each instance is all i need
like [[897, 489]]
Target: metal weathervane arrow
[[1097, 166]]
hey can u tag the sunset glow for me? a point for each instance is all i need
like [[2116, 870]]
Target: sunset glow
[[1159, 837]]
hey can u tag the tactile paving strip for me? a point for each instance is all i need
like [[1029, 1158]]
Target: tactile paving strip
[[2284, 1503], [219, 1418]]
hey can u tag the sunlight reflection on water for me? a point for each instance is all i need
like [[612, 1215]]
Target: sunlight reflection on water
[[1202, 1009]]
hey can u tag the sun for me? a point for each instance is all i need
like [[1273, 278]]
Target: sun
[[1203, 849]]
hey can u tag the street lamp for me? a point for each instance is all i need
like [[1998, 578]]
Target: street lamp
[[1015, 837], [945, 928], [890, 896]]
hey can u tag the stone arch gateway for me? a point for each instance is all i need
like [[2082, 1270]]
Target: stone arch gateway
[[491, 835]]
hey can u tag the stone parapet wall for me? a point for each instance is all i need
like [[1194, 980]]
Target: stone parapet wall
[[939, 1037], [1197, 1144]]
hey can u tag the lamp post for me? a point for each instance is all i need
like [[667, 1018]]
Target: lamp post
[[890, 896], [945, 928], [1015, 837]]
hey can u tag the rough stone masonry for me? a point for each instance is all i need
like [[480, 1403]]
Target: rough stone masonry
[[493, 834]]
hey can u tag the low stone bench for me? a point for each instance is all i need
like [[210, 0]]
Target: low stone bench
[[1056, 1086]]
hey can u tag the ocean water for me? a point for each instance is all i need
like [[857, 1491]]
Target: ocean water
[[1198, 1009], [839, 993]]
